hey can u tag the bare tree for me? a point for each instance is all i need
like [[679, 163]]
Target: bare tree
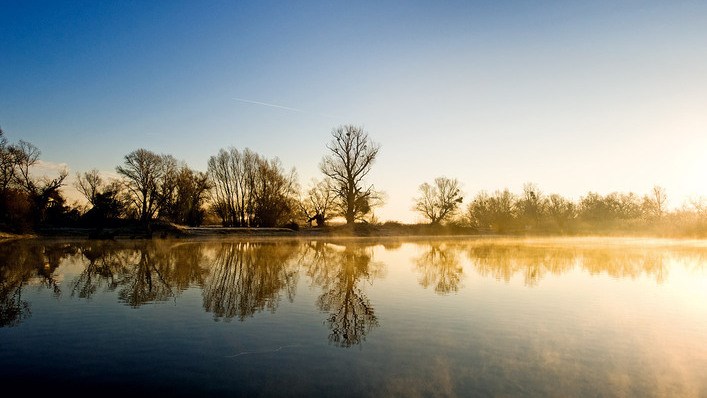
[[25, 156], [479, 213], [531, 206], [560, 210], [440, 200], [42, 192], [144, 171], [654, 204], [351, 158], [7, 163], [274, 193], [105, 197], [184, 196], [495, 212], [89, 184], [251, 190], [27, 200], [319, 202], [225, 176]]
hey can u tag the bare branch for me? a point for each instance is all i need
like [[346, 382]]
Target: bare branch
[[351, 158]]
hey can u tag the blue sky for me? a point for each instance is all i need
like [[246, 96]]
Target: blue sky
[[573, 96]]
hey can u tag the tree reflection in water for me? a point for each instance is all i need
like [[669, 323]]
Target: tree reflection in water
[[439, 266], [339, 271], [246, 278], [146, 278], [141, 271], [103, 270], [240, 278], [503, 261], [27, 263]]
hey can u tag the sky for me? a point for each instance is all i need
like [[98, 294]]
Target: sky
[[573, 96]]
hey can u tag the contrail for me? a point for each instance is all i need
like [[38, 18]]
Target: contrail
[[270, 105], [287, 108]]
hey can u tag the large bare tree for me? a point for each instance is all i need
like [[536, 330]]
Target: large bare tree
[[42, 192], [144, 171], [250, 190], [440, 200], [351, 158], [26, 199], [26, 157]]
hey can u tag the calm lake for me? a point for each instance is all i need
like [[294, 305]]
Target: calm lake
[[356, 317]]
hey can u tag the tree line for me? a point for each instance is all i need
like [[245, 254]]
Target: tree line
[[533, 211], [27, 201], [242, 188]]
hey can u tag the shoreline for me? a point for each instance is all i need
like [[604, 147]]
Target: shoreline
[[173, 231], [164, 231], [336, 232]]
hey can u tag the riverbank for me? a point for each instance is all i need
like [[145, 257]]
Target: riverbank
[[167, 230], [161, 230]]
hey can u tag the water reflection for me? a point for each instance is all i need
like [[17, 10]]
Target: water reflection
[[535, 262], [439, 266], [340, 271], [435, 316], [141, 272], [503, 262], [240, 279], [23, 264], [247, 278]]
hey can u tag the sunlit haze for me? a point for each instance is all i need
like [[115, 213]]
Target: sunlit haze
[[573, 96]]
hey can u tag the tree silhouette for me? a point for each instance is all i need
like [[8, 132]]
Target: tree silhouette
[[43, 193], [251, 190], [89, 184], [318, 204], [183, 202], [560, 211], [439, 201], [531, 206], [7, 163], [350, 161], [144, 172], [496, 212], [655, 202]]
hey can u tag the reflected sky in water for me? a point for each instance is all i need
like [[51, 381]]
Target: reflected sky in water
[[455, 317]]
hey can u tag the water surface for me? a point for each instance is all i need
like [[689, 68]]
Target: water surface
[[356, 317]]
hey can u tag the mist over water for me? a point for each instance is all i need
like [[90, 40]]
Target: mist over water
[[357, 317]]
